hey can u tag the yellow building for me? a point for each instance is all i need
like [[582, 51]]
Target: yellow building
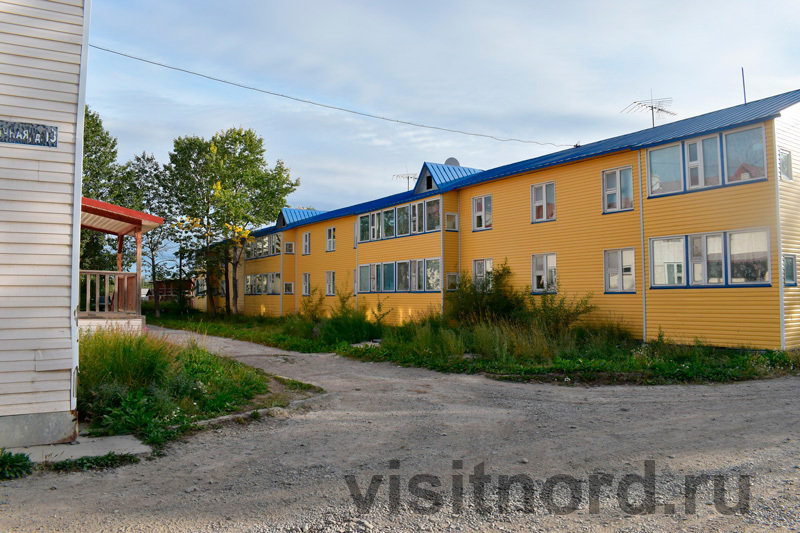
[[690, 228]]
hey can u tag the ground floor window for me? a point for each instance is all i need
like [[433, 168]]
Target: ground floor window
[[545, 277], [306, 284], [482, 272], [790, 270], [619, 270], [330, 283]]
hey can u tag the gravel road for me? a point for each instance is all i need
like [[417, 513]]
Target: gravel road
[[288, 472]]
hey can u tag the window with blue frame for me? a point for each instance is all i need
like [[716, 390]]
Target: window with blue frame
[[619, 270], [617, 189], [388, 277]]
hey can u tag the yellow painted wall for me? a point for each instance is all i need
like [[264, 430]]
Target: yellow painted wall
[[788, 137], [578, 235], [263, 304], [747, 316]]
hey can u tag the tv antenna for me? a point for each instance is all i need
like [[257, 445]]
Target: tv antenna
[[407, 177], [656, 106]]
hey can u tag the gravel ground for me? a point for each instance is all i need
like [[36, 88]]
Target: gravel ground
[[288, 472]]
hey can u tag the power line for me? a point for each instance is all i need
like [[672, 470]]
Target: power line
[[326, 106]]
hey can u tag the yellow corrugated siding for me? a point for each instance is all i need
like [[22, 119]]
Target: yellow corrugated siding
[[263, 304], [578, 236], [747, 316], [788, 137]]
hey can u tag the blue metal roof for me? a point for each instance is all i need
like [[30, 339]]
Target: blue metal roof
[[731, 117], [292, 215], [442, 174]]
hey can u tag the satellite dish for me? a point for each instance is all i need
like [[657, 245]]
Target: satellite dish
[[453, 162]]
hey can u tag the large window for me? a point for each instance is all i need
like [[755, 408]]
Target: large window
[[330, 239], [482, 272], [330, 283], [403, 221], [363, 278], [790, 270], [665, 170], [706, 259], [617, 190], [748, 257], [744, 155], [403, 276], [545, 277], [482, 212], [433, 275], [388, 223], [619, 270], [702, 162], [667, 260], [433, 215], [387, 284], [306, 243], [363, 228], [785, 164], [543, 202], [306, 284]]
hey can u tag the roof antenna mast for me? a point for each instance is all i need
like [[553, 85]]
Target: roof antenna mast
[[744, 88], [656, 106], [408, 177]]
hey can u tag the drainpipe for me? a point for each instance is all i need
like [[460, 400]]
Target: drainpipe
[[644, 262]]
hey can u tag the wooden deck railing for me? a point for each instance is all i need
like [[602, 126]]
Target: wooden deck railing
[[110, 292]]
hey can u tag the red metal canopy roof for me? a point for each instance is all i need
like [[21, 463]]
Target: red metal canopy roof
[[115, 219]]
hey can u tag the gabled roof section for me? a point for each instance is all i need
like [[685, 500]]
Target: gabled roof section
[[291, 215], [731, 117], [440, 175], [115, 219]]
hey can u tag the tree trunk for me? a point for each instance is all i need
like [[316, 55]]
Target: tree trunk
[[227, 285], [211, 306], [235, 287]]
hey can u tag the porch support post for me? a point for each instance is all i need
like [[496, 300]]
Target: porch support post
[[119, 252], [138, 235]]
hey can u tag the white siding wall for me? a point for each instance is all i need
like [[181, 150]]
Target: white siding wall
[[41, 45], [787, 131]]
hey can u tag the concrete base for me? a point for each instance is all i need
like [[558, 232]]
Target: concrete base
[[40, 428], [127, 322], [85, 447]]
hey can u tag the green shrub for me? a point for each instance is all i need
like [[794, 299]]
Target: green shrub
[[347, 323], [555, 314], [311, 306], [14, 465], [493, 298], [82, 464]]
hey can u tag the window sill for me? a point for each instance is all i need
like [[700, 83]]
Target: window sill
[[701, 189], [479, 230], [618, 211], [543, 221], [619, 292], [535, 293], [725, 286]]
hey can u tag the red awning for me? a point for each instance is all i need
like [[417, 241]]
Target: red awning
[[115, 219]]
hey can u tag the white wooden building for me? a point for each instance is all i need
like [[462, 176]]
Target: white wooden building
[[43, 48]]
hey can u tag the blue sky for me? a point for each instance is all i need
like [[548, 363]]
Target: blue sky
[[556, 73]]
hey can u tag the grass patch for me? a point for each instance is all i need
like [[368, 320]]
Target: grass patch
[[14, 465], [103, 462], [295, 385]]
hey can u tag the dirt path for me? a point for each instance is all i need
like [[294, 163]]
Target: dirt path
[[288, 472]]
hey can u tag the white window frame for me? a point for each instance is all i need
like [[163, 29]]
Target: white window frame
[[418, 217], [548, 286], [330, 239], [306, 284], [288, 248], [288, 287], [397, 217], [681, 263], [619, 252], [383, 277], [725, 153], [375, 277], [616, 190], [481, 213], [428, 221], [480, 269], [439, 268], [307, 243], [368, 278], [700, 163], [729, 270], [786, 282], [649, 170], [781, 153], [452, 280], [534, 203], [330, 283], [451, 221], [417, 282], [690, 260], [397, 277], [375, 226], [367, 216], [383, 223]]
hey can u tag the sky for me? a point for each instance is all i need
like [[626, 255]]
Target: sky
[[554, 72]]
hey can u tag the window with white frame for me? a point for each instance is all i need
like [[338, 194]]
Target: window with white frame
[[374, 226], [617, 190], [363, 228], [452, 281], [667, 261], [665, 170], [387, 277], [543, 202], [363, 278], [417, 217], [375, 277], [790, 270], [482, 272], [785, 164], [288, 288], [433, 215], [355, 235], [330, 239], [748, 257], [706, 266], [619, 270], [451, 221], [258, 284], [288, 247], [482, 212], [330, 283], [276, 250], [247, 285], [702, 162], [306, 243], [306, 284], [433, 275], [417, 274], [388, 223], [403, 276], [274, 283], [545, 278], [745, 156], [403, 220], [248, 250]]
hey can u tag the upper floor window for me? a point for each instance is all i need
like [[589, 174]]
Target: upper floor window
[[617, 190], [306, 243], [665, 170], [543, 202], [388, 223], [482, 212], [374, 226], [790, 270], [785, 164], [330, 239], [403, 222], [545, 277], [288, 248], [417, 218], [744, 155], [363, 228], [451, 221], [706, 257], [433, 215], [702, 163]]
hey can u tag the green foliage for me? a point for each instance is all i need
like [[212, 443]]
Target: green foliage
[[103, 462], [311, 306], [554, 314], [14, 465], [347, 323], [493, 298]]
